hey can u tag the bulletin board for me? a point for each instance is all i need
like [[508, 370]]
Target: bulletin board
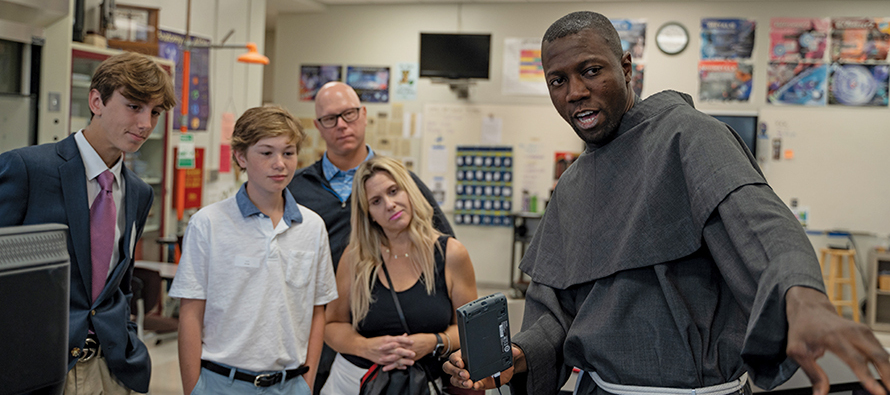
[[840, 167], [535, 134]]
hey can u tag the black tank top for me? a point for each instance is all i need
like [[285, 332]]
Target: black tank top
[[424, 313]]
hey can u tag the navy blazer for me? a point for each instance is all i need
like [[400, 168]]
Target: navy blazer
[[47, 184]]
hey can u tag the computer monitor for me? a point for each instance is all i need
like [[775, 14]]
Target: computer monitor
[[745, 124], [34, 281]]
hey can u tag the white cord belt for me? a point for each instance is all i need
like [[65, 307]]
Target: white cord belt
[[731, 387]]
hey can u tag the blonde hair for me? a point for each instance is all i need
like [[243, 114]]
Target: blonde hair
[[138, 77], [260, 122], [367, 236]]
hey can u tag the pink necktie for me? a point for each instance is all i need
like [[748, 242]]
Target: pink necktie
[[103, 216]]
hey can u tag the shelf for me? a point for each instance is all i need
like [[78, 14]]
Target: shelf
[[878, 315], [152, 180], [80, 84]]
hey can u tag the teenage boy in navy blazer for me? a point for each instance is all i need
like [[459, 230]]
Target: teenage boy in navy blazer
[[81, 182]]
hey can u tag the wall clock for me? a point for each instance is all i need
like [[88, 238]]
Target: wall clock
[[672, 38]]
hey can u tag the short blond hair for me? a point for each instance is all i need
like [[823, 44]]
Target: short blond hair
[[260, 122], [138, 77]]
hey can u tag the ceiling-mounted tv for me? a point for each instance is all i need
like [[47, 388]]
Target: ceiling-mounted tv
[[455, 56]]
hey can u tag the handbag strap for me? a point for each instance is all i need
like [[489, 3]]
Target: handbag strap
[[395, 298]]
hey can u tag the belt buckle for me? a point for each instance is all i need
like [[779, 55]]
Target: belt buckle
[[266, 380], [90, 349]]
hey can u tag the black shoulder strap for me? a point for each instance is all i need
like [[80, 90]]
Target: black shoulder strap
[[395, 298]]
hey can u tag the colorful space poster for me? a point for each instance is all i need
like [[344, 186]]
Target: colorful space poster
[[484, 190], [858, 84], [724, 80], [727, 38], [860, 39], [312, 77], [170, 47], [522, 71], [405, 81], [633, 36], [371, 83], [798, 39], [797, 83]]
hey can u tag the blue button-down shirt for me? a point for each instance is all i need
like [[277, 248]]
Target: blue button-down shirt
[[341, 181]]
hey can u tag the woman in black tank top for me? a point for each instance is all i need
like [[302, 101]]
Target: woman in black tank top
[[431, 273]]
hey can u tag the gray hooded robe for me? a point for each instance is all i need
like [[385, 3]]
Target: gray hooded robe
[[663, 260]]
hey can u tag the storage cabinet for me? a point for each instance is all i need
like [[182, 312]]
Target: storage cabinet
[[878, 299], [149, 163]]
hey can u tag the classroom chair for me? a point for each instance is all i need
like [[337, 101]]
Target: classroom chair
[[146, 303]]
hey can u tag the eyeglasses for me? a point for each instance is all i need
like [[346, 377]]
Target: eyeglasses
[[329, 121]]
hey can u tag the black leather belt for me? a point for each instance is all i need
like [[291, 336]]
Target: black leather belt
[[261, 380], [90, 348]]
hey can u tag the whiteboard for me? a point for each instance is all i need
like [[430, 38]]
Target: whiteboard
[[840, 168], [534, 132]]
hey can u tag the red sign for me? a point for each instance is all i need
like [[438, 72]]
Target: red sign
[[194, 180]]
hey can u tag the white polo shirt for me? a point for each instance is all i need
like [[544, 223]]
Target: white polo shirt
[[260, 283]]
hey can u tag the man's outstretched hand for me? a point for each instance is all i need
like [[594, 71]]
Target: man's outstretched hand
[[814, 327]]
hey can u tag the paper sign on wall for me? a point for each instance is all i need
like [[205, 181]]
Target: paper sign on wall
[[185, 159]]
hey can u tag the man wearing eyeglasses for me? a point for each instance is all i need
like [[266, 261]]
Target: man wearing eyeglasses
[[325, 186]]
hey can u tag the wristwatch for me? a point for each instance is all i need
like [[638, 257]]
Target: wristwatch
[[437, 351]]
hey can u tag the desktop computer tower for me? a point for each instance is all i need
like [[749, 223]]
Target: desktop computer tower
[[34, 281]]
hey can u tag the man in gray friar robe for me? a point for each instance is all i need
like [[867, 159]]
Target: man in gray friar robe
[[664, 262]]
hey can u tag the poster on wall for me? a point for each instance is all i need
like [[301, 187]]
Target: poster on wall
[[858, 84], [523, 73], [312, 77], [632, 33], [725, 80], [798, 39], [561, 162], [484, 187], [405, 81], [637, 78], [797, 84], [860, 39], [370, 83], [170, 47], [723, 38]]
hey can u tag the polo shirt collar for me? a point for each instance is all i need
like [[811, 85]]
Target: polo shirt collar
[[247, 208], [330, 170]]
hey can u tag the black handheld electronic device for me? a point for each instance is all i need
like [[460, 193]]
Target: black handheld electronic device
[[485, 336]]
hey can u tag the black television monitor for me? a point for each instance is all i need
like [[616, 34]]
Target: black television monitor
[[455, 56], [743, 124], [34, 281]]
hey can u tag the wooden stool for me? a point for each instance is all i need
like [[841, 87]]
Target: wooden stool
[[835, 279]]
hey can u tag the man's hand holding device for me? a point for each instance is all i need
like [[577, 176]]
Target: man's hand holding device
[[487, 357]]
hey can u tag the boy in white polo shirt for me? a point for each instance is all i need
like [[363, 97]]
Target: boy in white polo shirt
[[255, 274]]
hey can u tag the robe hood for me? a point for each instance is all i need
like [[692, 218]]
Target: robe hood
[[643, 198]]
